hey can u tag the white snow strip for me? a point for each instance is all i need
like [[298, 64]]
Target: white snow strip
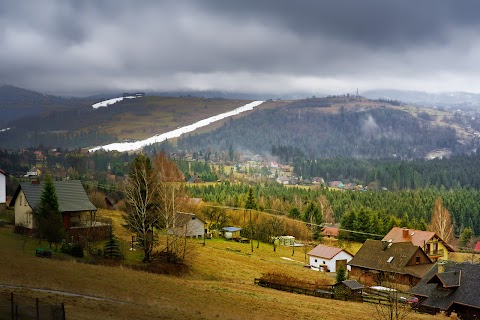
[[3, 130], [108, 102], [130, 146]]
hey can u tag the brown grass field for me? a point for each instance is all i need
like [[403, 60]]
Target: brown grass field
[[219, 284]]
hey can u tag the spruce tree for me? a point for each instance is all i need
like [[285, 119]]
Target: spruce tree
[[112, 247], [48, 218], [341, 275]]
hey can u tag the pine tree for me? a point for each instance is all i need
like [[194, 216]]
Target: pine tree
[[48, 218], [112, 247]]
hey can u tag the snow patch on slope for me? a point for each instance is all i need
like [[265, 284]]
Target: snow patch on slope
[[130, 146], [108, 102]]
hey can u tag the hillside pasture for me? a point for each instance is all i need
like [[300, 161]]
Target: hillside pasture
[[219, 284]]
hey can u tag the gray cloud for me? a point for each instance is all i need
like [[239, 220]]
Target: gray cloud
[[82, 47]]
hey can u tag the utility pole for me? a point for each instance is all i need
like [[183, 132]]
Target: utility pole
[[251, 230]]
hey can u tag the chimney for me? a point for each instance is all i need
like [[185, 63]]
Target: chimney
[[441, 267], [405, 232], [384, 245]]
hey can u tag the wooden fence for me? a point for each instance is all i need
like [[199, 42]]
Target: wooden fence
[[326, 292], [17, 307]]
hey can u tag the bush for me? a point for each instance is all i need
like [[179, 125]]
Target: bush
[[73, 249]]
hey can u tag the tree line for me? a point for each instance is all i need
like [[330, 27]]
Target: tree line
[[395, 174], [407, 208]]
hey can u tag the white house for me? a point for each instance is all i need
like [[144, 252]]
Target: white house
[[329, 259], [188, 225], [3, 190]]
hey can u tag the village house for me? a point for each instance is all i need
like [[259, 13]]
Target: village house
[[336, 184], [282, 179], [3, 191], [429, 241], [329, 259], [451, 287], [477, 247], [78, 213], [318, 181], [33, 172], [330, 232], [401, 262], [188, 225]]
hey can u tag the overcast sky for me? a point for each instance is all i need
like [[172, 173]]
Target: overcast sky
[[279, 47]]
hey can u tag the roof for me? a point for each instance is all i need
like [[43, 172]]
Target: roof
[[183, 218], [449, 279], [231, 229], [477, 246], [330, 231], [393, 257], [3, 172], [70, 194], [352, 284], [323, 251], [466, 293], [417, 237]]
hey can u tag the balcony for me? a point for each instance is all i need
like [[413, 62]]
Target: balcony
[[435, 254]]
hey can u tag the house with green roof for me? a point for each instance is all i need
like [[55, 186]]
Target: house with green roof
[[76, 209]]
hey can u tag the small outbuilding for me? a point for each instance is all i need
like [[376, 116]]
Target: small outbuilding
[[348, 289], [231, 232], [329, 259], [286, 240]]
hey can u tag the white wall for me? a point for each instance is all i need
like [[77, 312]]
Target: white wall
[[3, 188], [331, 264]]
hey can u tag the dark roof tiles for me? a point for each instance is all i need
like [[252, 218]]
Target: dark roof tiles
[[70, 194]]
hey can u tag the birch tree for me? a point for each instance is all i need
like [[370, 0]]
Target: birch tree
[[441, 222], [141, 193]]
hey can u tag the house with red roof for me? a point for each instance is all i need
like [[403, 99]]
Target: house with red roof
[[329, 259], [477, 247], [330, 232], [429, 241]]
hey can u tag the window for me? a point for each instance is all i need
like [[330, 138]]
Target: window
[[21, 200], [324, 262], [390, 259], [417, 260], [315, 260]]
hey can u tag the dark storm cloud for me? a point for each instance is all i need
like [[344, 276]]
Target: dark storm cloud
[[81, 47]]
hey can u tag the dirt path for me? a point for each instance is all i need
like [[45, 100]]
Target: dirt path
[[63, 293]]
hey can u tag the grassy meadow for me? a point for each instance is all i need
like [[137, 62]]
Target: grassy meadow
[[218, 284]]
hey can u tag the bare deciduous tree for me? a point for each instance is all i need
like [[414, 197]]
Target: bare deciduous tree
[[141, 192], [441, 222], [392, 307]]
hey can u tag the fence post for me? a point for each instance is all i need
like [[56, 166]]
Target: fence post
[[13, 310], [63, 311], [38, 311]]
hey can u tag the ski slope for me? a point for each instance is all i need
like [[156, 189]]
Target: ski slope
[[108, 102], [131, 146]]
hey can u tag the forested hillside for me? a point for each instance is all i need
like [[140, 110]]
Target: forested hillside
[[382, 210], [317, 130], [456, 171]]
